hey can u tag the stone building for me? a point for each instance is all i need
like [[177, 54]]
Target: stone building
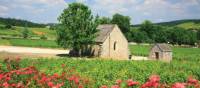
[[111, 43], [161, 52]]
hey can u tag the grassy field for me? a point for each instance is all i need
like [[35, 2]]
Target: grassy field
[[189, 25], [178, 52], [34, 32], [105, 72], [29, 43]]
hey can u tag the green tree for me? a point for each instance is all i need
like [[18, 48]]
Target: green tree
[[8, 26], [150, 29], [123, 22], [198, 34], [25, 32], [77, 29], [104, 20], [139, 36]]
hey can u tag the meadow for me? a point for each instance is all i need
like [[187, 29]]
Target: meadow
[[30, 43], [105, 72], [33, 32], [179, 53]]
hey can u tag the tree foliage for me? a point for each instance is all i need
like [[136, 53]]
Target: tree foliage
[[19, 22], [104, 20], [198, 34], [163, 34], [123, 22], [25, 32], [77, 28]]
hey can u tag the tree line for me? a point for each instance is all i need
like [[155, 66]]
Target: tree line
[[148, 32], [9, 22]]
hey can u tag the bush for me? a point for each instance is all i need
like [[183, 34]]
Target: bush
[[8, 26], [43, 37]]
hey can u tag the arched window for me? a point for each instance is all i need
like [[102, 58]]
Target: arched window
[[115, 45]]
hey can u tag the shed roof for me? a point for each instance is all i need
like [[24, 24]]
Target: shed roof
[[104, 31], [164, 47]]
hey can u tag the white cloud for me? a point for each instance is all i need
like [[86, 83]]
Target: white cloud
[[3, 10], [112, 6]]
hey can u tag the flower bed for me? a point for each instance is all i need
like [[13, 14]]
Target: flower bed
[[28, 77]]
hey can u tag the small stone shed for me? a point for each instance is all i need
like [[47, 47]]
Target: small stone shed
[[161, 52], [111, 43]]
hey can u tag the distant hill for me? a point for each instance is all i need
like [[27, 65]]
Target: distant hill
[[186, 24], [19, 22]]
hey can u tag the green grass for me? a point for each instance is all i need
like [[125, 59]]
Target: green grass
[[189, 25], [105, 72], [34, 32], [29, 43], [178, 52]]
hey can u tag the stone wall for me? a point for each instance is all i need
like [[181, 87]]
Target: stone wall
[[121, 51]]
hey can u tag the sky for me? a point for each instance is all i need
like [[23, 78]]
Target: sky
[[47, 11]]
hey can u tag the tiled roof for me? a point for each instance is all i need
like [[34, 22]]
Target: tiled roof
[[164, 47], [104, 31]]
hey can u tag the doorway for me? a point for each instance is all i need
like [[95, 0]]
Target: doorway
[[157, 55]]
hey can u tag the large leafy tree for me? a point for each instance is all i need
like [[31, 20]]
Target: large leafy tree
[[149, 28], [77, 28], [104, 20], [198, 34], [123, 22]]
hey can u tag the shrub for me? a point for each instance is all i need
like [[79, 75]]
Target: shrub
[[43, 37], [8, 26]]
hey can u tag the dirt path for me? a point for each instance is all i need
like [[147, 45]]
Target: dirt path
[[139, 58], [16, 49], [13, 51]]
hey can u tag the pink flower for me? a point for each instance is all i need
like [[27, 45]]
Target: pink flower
[[5, 84], [1, 76], [50, 84], [13, 85], [104, 86], [115, 86], [178, 85], [192, 81], [118, 82], [80, 86], [154, 78], [130, 83]]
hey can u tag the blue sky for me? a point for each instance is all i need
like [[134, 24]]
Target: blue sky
[[47, 11]]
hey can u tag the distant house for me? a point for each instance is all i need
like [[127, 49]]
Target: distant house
[[161, 52], [111, 43]]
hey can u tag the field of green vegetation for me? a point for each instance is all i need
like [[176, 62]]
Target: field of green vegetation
[[179, 53], [33, 32], [29, 43], [105, 72]]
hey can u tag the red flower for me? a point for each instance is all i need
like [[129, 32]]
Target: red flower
[[104, 86], [13, 85], [118, 82], [115, 86], [192, 81], [59, 85], [130, 83], [80, 86], [5, 84], [154, 78], [74, 78], [1, 76], [178, 85], [8, 78], [55, 75], [50, 84]]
